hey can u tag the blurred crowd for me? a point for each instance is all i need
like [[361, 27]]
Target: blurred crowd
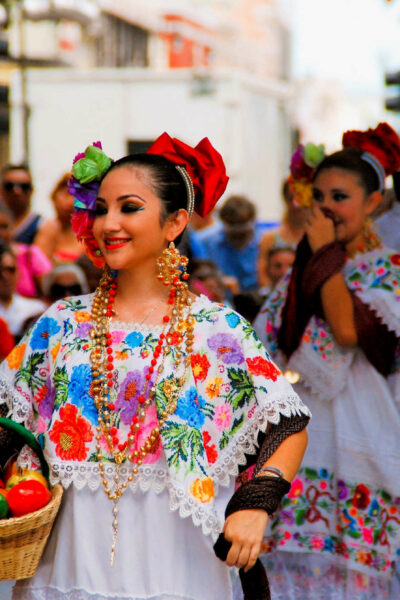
[[234, 258]]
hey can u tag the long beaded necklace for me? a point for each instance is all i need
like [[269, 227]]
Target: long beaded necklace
[[177, 328]]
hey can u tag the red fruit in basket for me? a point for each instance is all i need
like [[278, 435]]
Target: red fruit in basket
[[27, 496], [3, 504]]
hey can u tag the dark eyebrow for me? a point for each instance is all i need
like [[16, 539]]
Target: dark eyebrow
[[121, 198]]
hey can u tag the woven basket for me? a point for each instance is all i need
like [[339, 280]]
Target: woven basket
[[22, 539]]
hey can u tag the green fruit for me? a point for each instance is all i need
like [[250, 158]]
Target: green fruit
[[3, 507]]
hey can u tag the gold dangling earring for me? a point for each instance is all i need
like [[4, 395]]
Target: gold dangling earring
[[169, 265], [371, 238]]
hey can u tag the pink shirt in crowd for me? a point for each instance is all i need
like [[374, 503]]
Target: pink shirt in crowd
[[31, 262]]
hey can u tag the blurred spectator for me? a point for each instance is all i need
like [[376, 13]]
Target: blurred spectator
[[248, 304], [16, 310], [65, 280], [203, 226], [205, 279], [57, 238], [279, 261], [191, 246], [288, 234], [235, 247], [92, 273], [32, 263], [388, 224], [16, 191]]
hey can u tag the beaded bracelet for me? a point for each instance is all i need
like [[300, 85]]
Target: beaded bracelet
[[272, 471]]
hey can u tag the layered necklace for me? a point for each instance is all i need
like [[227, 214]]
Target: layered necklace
[[178, 325]]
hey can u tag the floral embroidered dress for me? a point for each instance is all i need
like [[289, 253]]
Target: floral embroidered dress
[[338, 534], [232, 391]]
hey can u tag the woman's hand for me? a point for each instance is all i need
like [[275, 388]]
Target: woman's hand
[[245, 529], [320, 229]]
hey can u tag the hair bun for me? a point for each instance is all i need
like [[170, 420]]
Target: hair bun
[[382, 142]]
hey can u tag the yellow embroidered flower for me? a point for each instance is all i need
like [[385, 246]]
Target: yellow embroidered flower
[[82, 316], [122, 355], [213, 387], [203, 489], [16, 356], [54, 351]]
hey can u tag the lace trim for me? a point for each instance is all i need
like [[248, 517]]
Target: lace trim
[[25, 592], [326, 380], [19, 404], [382, 309]]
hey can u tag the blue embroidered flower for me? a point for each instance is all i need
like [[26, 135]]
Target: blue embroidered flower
[[329, 545], [78, 391], [189, 408], [374, 508], [232, 320], [44, 329], [134, 339]]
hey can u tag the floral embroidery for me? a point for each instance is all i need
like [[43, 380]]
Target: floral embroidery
[[130, 391], [14, 359], [190, 408], [82, 316], [366, 521], [227, 348], [213, 387], [211, 450], [223, 416], [261, 366], [203, 489], [43, 330], [134, 339], [70, 434], [78, 391], [200, 366]]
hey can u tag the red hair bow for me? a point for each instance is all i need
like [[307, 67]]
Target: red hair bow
[[382, 142], [203, 164]]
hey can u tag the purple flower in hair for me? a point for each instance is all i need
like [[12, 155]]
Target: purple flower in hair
[[84, 195]]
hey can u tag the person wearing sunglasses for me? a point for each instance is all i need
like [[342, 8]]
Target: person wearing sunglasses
[[63, 281], [16, 191], [16, 310]]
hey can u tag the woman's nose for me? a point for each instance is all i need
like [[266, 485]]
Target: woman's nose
[[112, 221]]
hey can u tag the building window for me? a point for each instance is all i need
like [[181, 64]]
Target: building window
[[121, 44]]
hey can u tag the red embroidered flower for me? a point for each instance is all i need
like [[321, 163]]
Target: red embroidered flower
[[261, 366], [361, 498], [211, 452], [70, 434], [200, 366], [395, 259]]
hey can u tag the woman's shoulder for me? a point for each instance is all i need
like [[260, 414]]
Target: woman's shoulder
[[64, 308], [217, 315]]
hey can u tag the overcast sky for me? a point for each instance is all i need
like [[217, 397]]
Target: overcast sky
[[353, 41]]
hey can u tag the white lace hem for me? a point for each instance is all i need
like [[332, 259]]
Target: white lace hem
[[25, 592]]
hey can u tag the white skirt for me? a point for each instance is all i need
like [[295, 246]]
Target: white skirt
[[159, 555]]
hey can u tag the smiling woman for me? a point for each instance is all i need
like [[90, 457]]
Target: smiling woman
[[148, 399], [334, 323]]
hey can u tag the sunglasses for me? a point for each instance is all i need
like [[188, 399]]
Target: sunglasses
[[10, 185], [57, 289]]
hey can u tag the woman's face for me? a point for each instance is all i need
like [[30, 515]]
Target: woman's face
[[128, 226], [341, 196]]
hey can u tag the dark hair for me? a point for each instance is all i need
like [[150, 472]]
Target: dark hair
[[349, 159], [165, 180], [276, 249], [235, 207], [14, 167]]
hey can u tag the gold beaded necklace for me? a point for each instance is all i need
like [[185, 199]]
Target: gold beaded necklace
[[178, 328]]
